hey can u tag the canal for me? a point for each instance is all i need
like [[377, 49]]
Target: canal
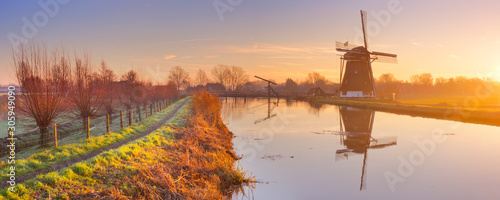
[[298, 150]]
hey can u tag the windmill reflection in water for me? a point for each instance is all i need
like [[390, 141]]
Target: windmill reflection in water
[[356, 127]]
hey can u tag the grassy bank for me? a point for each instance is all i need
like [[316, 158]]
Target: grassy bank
[[51, 156], [191, 157], [468, 114]]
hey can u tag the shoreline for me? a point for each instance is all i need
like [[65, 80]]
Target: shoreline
[[459, 114]]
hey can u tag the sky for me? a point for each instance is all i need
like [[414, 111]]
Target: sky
[[276, 39]]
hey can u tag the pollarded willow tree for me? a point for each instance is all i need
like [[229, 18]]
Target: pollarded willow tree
[[109, 88], [44, 80], [87, 93], [128, 83]]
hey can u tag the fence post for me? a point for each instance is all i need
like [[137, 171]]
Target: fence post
[[130, 117], [121, 119], [88, 127], [107, 124], [55, 134]]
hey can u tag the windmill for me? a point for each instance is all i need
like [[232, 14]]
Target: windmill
[[356, 127], [357, 80]]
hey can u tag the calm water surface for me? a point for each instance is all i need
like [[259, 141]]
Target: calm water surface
[[301, 151]]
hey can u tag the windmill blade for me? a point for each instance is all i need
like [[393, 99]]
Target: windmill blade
[[344, 154], [383, 142], [377, 56], [344, 46], [363, 23], [377, 53], [384, 59]]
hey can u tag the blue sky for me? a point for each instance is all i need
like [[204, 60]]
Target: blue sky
[[277, 39]]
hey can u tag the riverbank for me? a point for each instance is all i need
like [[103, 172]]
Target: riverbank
[[472, 114], [190, 157]]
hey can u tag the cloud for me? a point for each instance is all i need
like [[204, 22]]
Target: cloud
[[414, 42], [192, 40], [168, 57], [439, 45], [185, 57], [265, 66], [293, 64], [454, 56], [266, 48], [215, 56]]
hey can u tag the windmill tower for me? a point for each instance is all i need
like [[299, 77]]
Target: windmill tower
[[357, 80]]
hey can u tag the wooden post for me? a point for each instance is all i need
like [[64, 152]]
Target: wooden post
[[130, 117], [88, 127], [55, 134], [121, 119], [107, 124], [147, 111]]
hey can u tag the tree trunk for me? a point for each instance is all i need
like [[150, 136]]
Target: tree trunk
[[44, 136]]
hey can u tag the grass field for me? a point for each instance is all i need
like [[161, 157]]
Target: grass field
[[431, 107], [490, 101], [38, 158]]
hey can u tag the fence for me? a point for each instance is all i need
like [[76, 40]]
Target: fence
[[75, 130]]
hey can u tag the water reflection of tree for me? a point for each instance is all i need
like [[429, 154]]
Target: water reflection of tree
[[315, 108], [234, 107]]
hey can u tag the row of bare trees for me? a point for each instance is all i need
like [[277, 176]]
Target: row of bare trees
[[230, 77], [52, 83]]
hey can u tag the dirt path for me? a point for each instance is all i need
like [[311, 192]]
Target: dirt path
[[68, 163]]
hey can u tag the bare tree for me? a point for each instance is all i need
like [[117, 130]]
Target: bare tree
[[87, 95], [44, 81], [221, 74], [316, 79], [179, 76], [201, 77], [128, 83], [237, 77], [109, 88]]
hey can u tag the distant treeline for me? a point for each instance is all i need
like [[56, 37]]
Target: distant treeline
[[425, 83]]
